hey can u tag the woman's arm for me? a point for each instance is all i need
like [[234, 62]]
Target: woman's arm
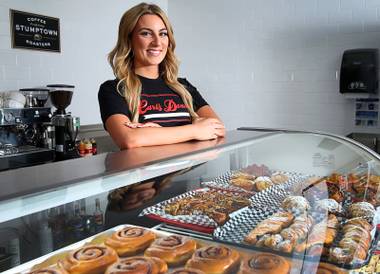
[[126, 137], [206, 112]]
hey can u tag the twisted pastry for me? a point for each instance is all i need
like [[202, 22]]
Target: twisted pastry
[[91, 259], [187, 271], [173, 249], [130, 240], [138, 265], [49, 270], [214, 259], [264, 263]]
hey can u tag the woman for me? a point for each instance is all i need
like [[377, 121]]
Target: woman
[[147, 104]]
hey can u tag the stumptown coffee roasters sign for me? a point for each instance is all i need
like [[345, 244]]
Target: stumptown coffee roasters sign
[[33, 31]]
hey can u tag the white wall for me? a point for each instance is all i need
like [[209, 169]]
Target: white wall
[[274, 63], [259, 63], [88, 33]]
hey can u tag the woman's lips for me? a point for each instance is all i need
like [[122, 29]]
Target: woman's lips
[[154, 52]]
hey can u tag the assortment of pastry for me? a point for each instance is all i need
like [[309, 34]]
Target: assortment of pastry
[[256, 183], [167, 254], [365, 187], [295, 230], [215, 204]]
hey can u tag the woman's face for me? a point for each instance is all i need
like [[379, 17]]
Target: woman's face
[[149, 41]]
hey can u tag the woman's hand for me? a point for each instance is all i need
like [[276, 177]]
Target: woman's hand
[[208, 128], [141, 125]]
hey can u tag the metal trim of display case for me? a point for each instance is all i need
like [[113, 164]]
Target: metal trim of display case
[[370, 151]]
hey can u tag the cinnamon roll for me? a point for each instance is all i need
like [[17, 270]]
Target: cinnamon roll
[[264, 263], [187, 271], [91, 259], [138, 265], [173, 249], [130, 240], [49, 270], [214, 259]]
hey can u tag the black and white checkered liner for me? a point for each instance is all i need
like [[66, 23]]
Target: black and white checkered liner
[[199, 220]]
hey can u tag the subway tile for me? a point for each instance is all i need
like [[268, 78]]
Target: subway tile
[[29, 58], [372, 3], [4, 29], [7, 85], [351, 4], [5, 42], [4, 14], [340, 16], [16, 73], [7, 58], [326, 6], [351, 27]]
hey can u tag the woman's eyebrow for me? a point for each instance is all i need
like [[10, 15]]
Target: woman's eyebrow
[[144, 28]]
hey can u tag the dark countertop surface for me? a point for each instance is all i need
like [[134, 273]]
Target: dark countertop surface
[[31, 180]]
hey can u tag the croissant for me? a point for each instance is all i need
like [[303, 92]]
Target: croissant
[[272, 225]]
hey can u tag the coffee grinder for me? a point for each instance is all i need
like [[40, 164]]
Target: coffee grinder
[[66, 126]]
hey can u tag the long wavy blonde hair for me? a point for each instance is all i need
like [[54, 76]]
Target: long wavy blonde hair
[[121, 60]]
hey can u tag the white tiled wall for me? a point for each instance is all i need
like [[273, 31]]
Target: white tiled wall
[[88, 33], [274, 63]]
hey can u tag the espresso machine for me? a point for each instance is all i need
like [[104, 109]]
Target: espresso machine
[[25, 130], [66, 126]]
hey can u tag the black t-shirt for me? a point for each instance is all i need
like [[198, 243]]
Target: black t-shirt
[[158, 104]]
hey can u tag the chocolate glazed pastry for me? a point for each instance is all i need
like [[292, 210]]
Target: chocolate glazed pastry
[[187, 271], [264, 263], [91, 259], [215, 260], [173, 249], [130, 240], [138, 265]]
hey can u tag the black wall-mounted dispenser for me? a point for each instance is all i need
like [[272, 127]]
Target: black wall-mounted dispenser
[[359, 72]]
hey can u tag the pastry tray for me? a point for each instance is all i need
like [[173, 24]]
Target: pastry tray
[[201, 223], [234, 231], [99, 238]]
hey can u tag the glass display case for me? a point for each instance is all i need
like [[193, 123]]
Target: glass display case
[[257, 191]]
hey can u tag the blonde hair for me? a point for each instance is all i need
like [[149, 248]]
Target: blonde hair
[[121, 60]]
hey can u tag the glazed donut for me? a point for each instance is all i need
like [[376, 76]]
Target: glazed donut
[[130, 240], [214, 259], [91, 259], [264, 263], [174, 249], [138, 265]]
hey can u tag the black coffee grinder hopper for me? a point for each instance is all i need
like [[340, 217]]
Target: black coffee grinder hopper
[[66, 126]]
